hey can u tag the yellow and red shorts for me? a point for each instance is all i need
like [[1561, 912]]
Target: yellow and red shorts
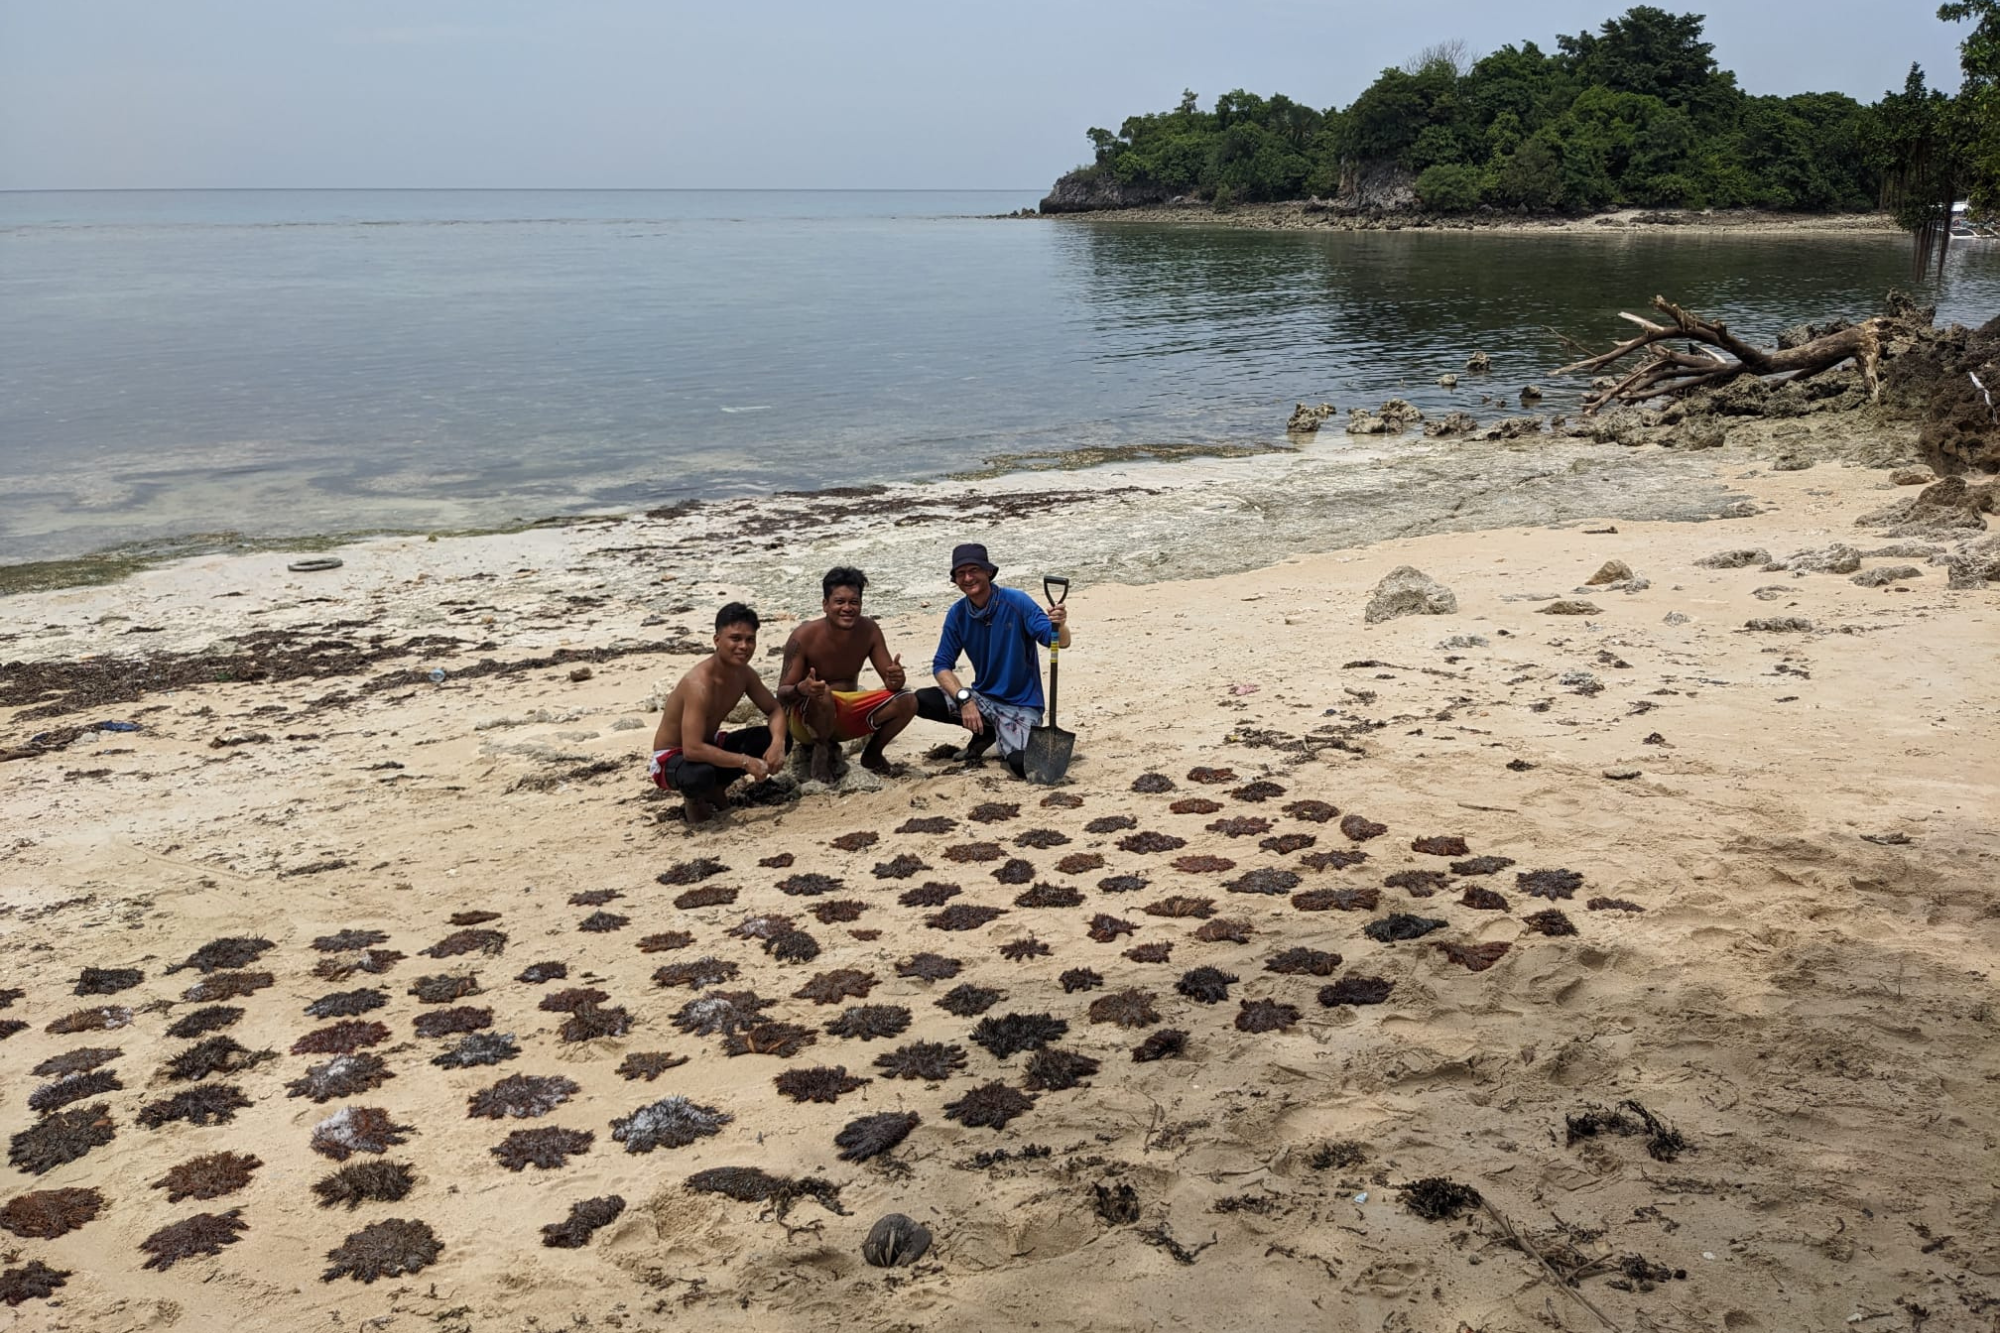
[[853, 715]]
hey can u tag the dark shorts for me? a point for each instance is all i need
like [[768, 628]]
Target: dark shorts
[[672, 770]]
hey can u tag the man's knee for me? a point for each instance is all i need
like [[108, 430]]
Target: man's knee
[[901, 709], [933, 706]]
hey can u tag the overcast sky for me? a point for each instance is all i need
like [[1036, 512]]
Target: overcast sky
[[759, 93]]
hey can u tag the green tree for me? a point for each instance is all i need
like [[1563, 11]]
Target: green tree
[[1978, 111], [1449, 188]]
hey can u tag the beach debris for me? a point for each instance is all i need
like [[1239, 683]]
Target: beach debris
[[59, 1093], [216, 1055], [1303, 962], [1166, 1044], [107, 980], [749, 1184], [395, 1247], [1042, 839], [691, 872], [1130, 1008], [1206, 985], [451, 1022], [1117, 1205], [342, 1076], [895, 1242], [673, 1122], [1264, 881], [232, 951], [1045, 894], [872, 1135], [347, 1004], [1157, 952], [47, 1214], [365, 1182], [1122, 883], [1257, 792], [1080, 978], [444, 988], [928, 824], [570, 999], [821, 1084], [1551, 884], [900, 867], [1333, 860], [1475, 957], [994, 812], [1551, 922], [205, 1020], [521, 1096], [545, 1149], [1613, 905], [1356, 990], [354, 1129], [1189, 805], [342, 1038], [60, 1137], [869, 1021], [1437, 1199], [1203, 864], [81, 1060], [969, 852], [101, 1018], [837, 910], [1408, 591], [1012, 1033], [1015, 871], [989, 1106], [1287, 843], [1483, 898], [1359, 829], [1152, 784], [1235, 930], [195, 1237], [1337, 900], [33, 1281], [1664, 1143], [584, 1220], [1265, 1016], [476, 1049], [210, 1104]]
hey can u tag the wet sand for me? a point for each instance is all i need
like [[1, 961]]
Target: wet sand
[[1806, 998]]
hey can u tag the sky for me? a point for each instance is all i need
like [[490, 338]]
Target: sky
[[870, 94]]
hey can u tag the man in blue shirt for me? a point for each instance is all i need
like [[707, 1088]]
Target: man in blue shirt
[[997, 630]]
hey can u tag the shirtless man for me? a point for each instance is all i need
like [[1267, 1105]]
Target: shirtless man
[[691, 753], [821, 688]]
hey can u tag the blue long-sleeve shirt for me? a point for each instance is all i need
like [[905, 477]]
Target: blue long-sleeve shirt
[[1000, 642]]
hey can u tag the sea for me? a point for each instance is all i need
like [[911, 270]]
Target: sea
[[204, 367]]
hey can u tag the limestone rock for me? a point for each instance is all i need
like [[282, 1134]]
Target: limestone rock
[[1408, 591], [1399, 413], [1447, 381], [1307, 420], [1611, 571], [1530, 393], [1839, 558], [1885, 575], [1570, 608], [1452, 423], [1360, 421], [1088, 189], [1736, 559], [1780, 624], [1947, 508], [1479, 363], [1912, 476]]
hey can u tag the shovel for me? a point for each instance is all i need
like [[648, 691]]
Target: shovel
[[1047, 757]]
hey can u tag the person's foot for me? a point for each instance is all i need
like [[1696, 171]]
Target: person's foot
[[978, 745], [873, 760], [823, 761], [695, 811]]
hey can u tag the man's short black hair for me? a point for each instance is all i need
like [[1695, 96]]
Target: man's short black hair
[[842, 576], [736, 614]]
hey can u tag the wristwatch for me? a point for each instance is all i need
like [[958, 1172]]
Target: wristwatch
[[963, 697]]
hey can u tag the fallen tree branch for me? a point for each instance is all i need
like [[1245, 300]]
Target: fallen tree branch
[[1703, 366]]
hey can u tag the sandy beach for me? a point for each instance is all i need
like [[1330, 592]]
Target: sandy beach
[[1754, 1089]]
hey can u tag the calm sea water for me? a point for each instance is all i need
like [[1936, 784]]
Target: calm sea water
[[293, 362]]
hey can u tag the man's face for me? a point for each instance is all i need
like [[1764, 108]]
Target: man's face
[[843, 607], [972, 580], [734, 644]]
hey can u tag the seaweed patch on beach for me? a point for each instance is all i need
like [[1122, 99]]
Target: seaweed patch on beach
[[1475, 957], [229, 952], [1157, 952], [545, 1149], [840, 984], [58, 1093], [929, 967], [1052, 1070], [1042, 839], [588, 898], [1481, 865], [570, 999], [964, 1001], [1015, 871], [1061, 800], [47, 1214], [665, 941], [1123, 883], [1286, 843], [1440, 846], [1166, 1044], [61, 1137], [107, 980], [342, 1076], [460, 942], [1147, 843], [928, 824], [601, 922], [1125, 1008], [339, 967], [584, 1221], [1206, 985], [932, 894], [994, 812], [99, 1018], [1045, 894], [1180, 905], [451, 1022], [348, 1004], [1333, 860], [967, 853], [866, 1022], [1312, 812], [1417, 883], [365, 1182], [1079, 863], [963, 916], [195, 1237], [1553, 922], [33, 1281], [81, 1060], [1264, 880], [712, 895], [696, 973], [342, 1038], [1551, 884], [227, 986], [1152, 784], [1401, 926], [1361, 830], [1356, 990], [521, 1097], [1212, 777], [216, 1055], [1230, 929], [1203, 864], [1240, 826], [929, 1061], [859, 840], [1013, 1033], [1303, 962], [1258, 791], [1020, 951], [989, 1106], [347, 941], [205, 1020], [1111, 824], [357, 1129], [783, 1040], [209, 1104], [691, 872], [1613, 905], [1105, 928], [673, 1122], [648, 1065], [821, 1084], [780, 861], [1485, 899], [872, 1135], [1189, 805], [1436, 1199], [591, 1023], [395, 1247], [478, 1048], [901, 866], [724, 1013], [1265, 1016], [837, 910]]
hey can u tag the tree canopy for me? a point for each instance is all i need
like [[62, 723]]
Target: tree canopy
[[1637, 113]]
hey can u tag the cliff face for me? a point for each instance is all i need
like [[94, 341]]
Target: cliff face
[[1088, 189], [1370, 189]]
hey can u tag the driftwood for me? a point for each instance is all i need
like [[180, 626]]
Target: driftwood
[[1702, 365]]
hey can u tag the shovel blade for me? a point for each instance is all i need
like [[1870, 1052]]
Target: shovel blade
[[1047, 757]]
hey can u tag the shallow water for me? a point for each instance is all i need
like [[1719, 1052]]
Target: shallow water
[[325, 361]]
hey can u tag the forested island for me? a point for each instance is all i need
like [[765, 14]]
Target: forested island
[[1638, 114]]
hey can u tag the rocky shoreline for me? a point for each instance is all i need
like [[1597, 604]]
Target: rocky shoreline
[[1318, 215]]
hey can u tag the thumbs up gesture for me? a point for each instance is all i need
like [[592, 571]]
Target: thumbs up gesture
[[892, 675], [812, 686]]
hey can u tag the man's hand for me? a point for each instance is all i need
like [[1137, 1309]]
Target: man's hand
[[812, 687], [774, 758], [969, 715], [756, 767], [1059, 616], [893, 677]]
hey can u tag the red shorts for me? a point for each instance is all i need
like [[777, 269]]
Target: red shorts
[[853, 715]]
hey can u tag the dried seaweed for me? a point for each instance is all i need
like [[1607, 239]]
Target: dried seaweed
[[227, 986], [1265, 1016], [1111, 824], [993, 812], [478, 1048], [1053, 1070], [1334, 860], [107, 980], [342, 1076], [1236, 930], [1045, 894], [1481, 865], [229, 952], [930, 1061], [664, 941], [837, 910], [930, 967], [840, 984], [1483, 898], [792, 946], [989, 1106], [354, 1129], [930, 895], [61, 1137], [342, 1038], [81, 1060], [1451, 845], [365, 1182], [1062, 800], [649, 1065], [1123, 883], [1436, 1198], [859, 840], [195, 1237], [98, 1018], [899, 867], [673, 1122], [781, 861], [783, 1040], [33, 1281], [47, 1214], [724, 1012], [1126, 1008], [391, 1248], [1551, 884], [1203, 864], [55, 1095], [1260, 790], [1264, 880], [546, 1148], [1417, 883], [1356, 990], [1551, 922], [928, 824], [1015, 871], [348, 1003], [1152, 784], [966, 1000], [1079, 863], [1286, 843], [1158, 952], [602, 923], [1193, 805], [572, 998], [821, 1084], [459, 942], [873, 1135], [588, 898], [1206, 985], [697, 973], [966, 853], [584, 1220], [341, 967], [209, 1104], [473, 918], [1105, 928], [869, 1021], [1303, 962], [536, 974], [1213, 777], [1042, 839], [1360, 829], [1180, 905], [591, 1023], [712, 895], [216, 1055], [691, 872], [205, 1020], [1613, 905], [1475, 957], [1148, 842], [963, 916], [1013, 1033], [521, 1097], [1166, 1044], [1020, 951], [1401, 926], [347, 941]]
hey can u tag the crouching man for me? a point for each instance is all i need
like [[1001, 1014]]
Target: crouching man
[[692, 755], [998, 630], [820, 689]]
